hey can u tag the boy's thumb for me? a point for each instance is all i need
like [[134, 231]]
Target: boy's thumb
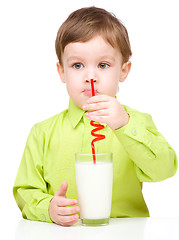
[[62, 190]]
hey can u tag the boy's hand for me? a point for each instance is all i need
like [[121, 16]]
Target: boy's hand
[[58, 210], [106, 109]]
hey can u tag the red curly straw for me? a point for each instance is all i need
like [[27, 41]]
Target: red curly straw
[[98, 127]]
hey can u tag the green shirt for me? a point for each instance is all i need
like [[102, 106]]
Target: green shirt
[[140, 154]]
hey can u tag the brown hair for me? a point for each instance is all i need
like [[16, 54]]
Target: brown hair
[[85, 23]]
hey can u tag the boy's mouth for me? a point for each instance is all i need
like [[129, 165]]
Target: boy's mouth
[[88, 92]]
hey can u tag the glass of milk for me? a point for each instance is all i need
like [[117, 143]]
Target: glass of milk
[[94, 187]]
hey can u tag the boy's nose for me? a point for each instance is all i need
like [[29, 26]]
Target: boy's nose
[[88, 80]]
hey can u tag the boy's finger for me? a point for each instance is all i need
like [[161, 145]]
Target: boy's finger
[[98, 98], [68, 224], [101, 112], [68, 219], [95, 106], [100, 119], [64, 202], [64, 211], [62, 190]]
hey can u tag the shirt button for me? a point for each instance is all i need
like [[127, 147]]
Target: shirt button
[[43, 218], [134, 131]]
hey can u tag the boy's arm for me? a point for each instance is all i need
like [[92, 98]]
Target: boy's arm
[[154, 158], [30, 188]]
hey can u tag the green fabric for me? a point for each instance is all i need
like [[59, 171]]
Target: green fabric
[[140, 154]]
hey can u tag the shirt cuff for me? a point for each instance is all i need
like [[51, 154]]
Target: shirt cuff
[[44, 210], [39, 213], [131, 132]]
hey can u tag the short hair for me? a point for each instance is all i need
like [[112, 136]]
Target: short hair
[[85, 23]]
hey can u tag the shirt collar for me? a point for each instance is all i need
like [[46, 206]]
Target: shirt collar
[[75, 113]]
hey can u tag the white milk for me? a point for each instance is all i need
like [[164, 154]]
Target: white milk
[[94, 188]]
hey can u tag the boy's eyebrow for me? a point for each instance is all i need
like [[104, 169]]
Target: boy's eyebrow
[[107, 57], [71, 58]]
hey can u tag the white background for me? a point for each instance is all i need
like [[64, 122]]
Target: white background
[[31, 91]]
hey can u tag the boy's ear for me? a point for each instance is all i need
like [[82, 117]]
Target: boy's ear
[[60, 71], [126, 67]]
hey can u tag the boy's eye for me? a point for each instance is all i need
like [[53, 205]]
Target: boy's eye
[[78, 65], [103, 65]]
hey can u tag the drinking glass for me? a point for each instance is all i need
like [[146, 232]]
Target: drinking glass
[[94, 187]]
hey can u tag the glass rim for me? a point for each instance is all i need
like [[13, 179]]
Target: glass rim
[[91, 154]]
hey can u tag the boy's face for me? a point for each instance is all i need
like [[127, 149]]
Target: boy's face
[[95, 59]]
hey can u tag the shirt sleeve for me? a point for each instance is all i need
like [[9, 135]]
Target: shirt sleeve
[[153, 157], [30, 188]]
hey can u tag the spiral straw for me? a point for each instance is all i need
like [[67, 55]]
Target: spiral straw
[[98, 127]]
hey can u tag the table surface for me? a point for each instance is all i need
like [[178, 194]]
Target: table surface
[[118, 228]]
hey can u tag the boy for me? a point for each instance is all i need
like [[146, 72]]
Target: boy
[[91, 44]]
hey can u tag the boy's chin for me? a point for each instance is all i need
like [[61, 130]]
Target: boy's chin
[[80, 105]]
